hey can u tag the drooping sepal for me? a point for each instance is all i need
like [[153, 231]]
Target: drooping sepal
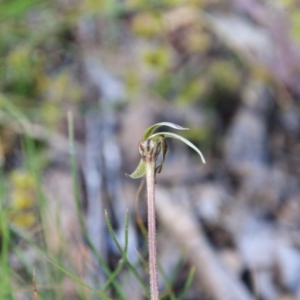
[[139, 171]]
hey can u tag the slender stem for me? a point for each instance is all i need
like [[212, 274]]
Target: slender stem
[[150, 176]]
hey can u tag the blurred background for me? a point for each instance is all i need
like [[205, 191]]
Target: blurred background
[[103, 71]]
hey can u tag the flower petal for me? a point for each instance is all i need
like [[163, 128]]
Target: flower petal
[[178, 137], [149, 131], [139, 171]]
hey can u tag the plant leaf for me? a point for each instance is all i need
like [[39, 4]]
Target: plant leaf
[[149, 131], [139, 171], [178, 137]]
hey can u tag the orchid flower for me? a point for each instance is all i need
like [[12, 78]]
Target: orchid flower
[[149, 149]]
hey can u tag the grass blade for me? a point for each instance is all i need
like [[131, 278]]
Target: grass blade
[[124, 255], [123, 262], [74, 278], [187, 283], [5, 282]]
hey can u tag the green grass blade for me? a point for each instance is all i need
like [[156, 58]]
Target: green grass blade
[[187, 284], [126, 232], [167, 283], [113, 275], [123, 262], [124, 256], [74, 278], [5, 282]]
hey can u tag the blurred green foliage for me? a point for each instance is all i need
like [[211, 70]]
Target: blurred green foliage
[[14, 8], [22, 205], [292, 8], [35, 46], [37, 61]]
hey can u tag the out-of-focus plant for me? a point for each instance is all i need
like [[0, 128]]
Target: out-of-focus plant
[[147, 25], [149, 149], [157, 59], [292, 9], [23, 200], [37, 58]]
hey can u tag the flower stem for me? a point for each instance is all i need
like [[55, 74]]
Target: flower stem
[[150, 177]]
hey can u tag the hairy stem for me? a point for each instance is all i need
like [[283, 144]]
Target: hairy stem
[[150, 176]]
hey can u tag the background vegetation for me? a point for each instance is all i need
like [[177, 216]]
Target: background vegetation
[[227, 70]]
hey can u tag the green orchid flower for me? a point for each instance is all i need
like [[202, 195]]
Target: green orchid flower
[[149, 149], [153, 143]]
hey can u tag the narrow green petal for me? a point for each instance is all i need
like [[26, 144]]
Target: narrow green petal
[[149, 131], [178, 137], [139, 171]]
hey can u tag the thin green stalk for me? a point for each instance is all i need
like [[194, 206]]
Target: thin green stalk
[[149, 148], [169, 289], [75, 279], [168, 282], [150, 177], [6, 291], [187, 283]]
